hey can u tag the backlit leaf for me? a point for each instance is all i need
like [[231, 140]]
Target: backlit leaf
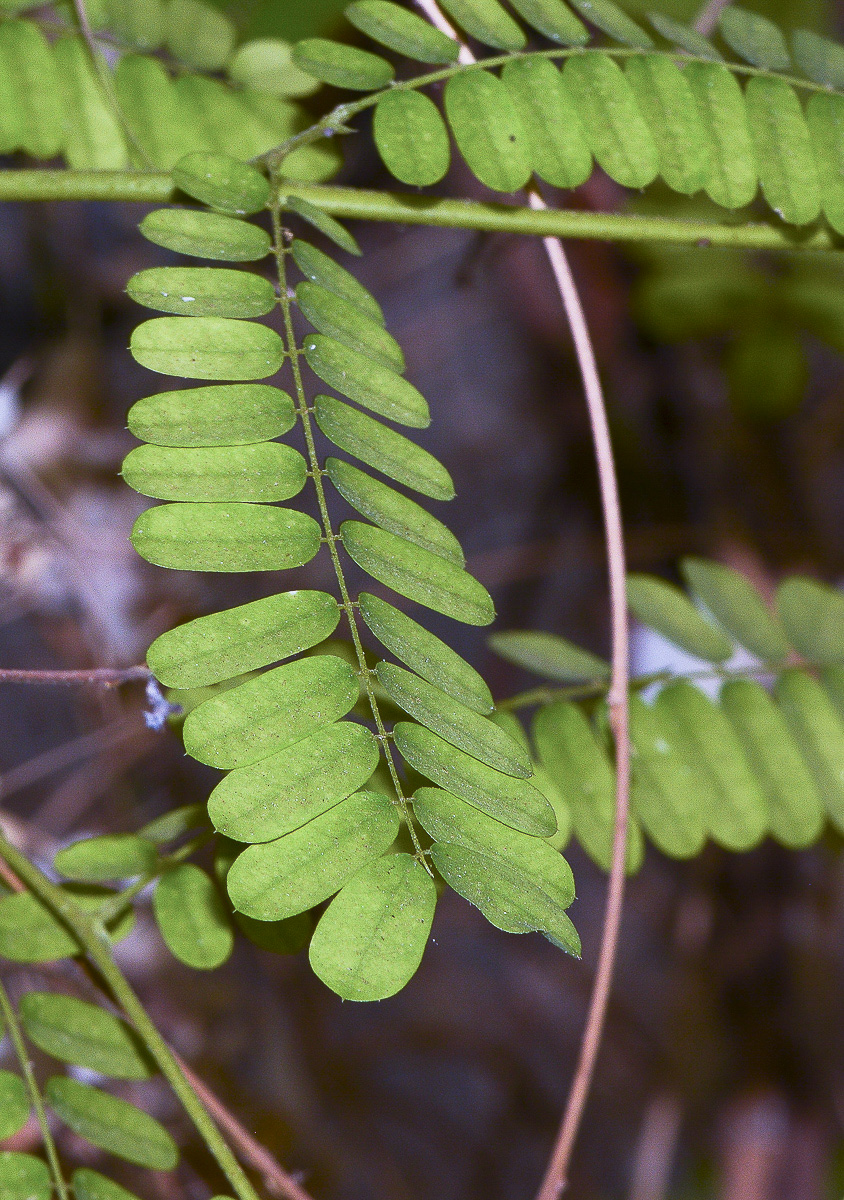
[[813, 617], [93, 138], [615, 129], [148, 100], [825, 119], [340, 319], [263, 472], [192, 917], [664, 791], [219, 415], [795, 810], [557, 149], [85, 1035], [205, 235], [28, 60], [382, 448], [554, 20], [669, 108], [549, 655], [91, 1185], [458, 725], [326, 224], [663, 607], [425, 654], [138, 22], [223, 183], [819, 732], [754, 38], [266, 64], [281, 878], [203, 291], [14, 1109], [488, 131], [737, 607], [784, 155], [198, 34], [24, 1177], [514, 802], [487, 21], [323, 270], [386, 507], [265, 715], [241, 639], [279, 794], [720, 100], [112, 1124], [113, 856], [365, 381], [225, 537], [207, 348], [371, 938], [402, 31], [342, 66], [411, 137], [418, 574]]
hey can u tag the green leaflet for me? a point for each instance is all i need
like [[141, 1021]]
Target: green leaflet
[[825, 119], [456, 724], [24, 1177], [737, 607], [111, 1124], [220, 415], [93, 138], [614, 127], [11, 111], [684, 36], [813, 617], [487, 129], [784, 155], [738, 814], [148, 101], [371, 938], [205, 235], [833, 680], [510, 723], [609, 18], [265, 715], [732, 177], [487, 21], [101, 859], [219, 120], [553, 20], [30, 933], [411, 137], [548, 655], [259, 473], [74, 1031], [576, 762], [543, 781], [223, 183], [323, 270], [795, 810], [192, 918], [175, 823], [418, 574], [28, 60], [207, 348], [342, 66], [223, 414], [514, 802], [664, 793], [333, 230], [241, 639], [383, 448], [754, 38], [425, 654], [365, 381], [666, 101], [91, 1185], [203, 291], [558, 152], [285, 877], [14, 1108], [663, 607], [340, 319], [281, 793], [819, 58], [266, 65], [402, 31], [277, 937], [819, 732], [386, 507], [225, 537], [198, 34], [138, 22]]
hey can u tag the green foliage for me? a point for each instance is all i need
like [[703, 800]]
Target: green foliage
[[111, 1124], [24, 1177], [14, 1104], [83, 1034]]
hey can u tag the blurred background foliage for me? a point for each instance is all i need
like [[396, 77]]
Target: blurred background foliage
[[722, 1074]]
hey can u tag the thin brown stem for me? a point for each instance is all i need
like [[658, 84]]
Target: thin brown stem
[[103, 676]]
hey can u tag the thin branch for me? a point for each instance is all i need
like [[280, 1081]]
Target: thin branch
[[103, 676]]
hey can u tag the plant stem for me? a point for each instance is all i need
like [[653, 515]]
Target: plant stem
[[107, 676], [330, 537], [93, 940], [13, 1026]]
